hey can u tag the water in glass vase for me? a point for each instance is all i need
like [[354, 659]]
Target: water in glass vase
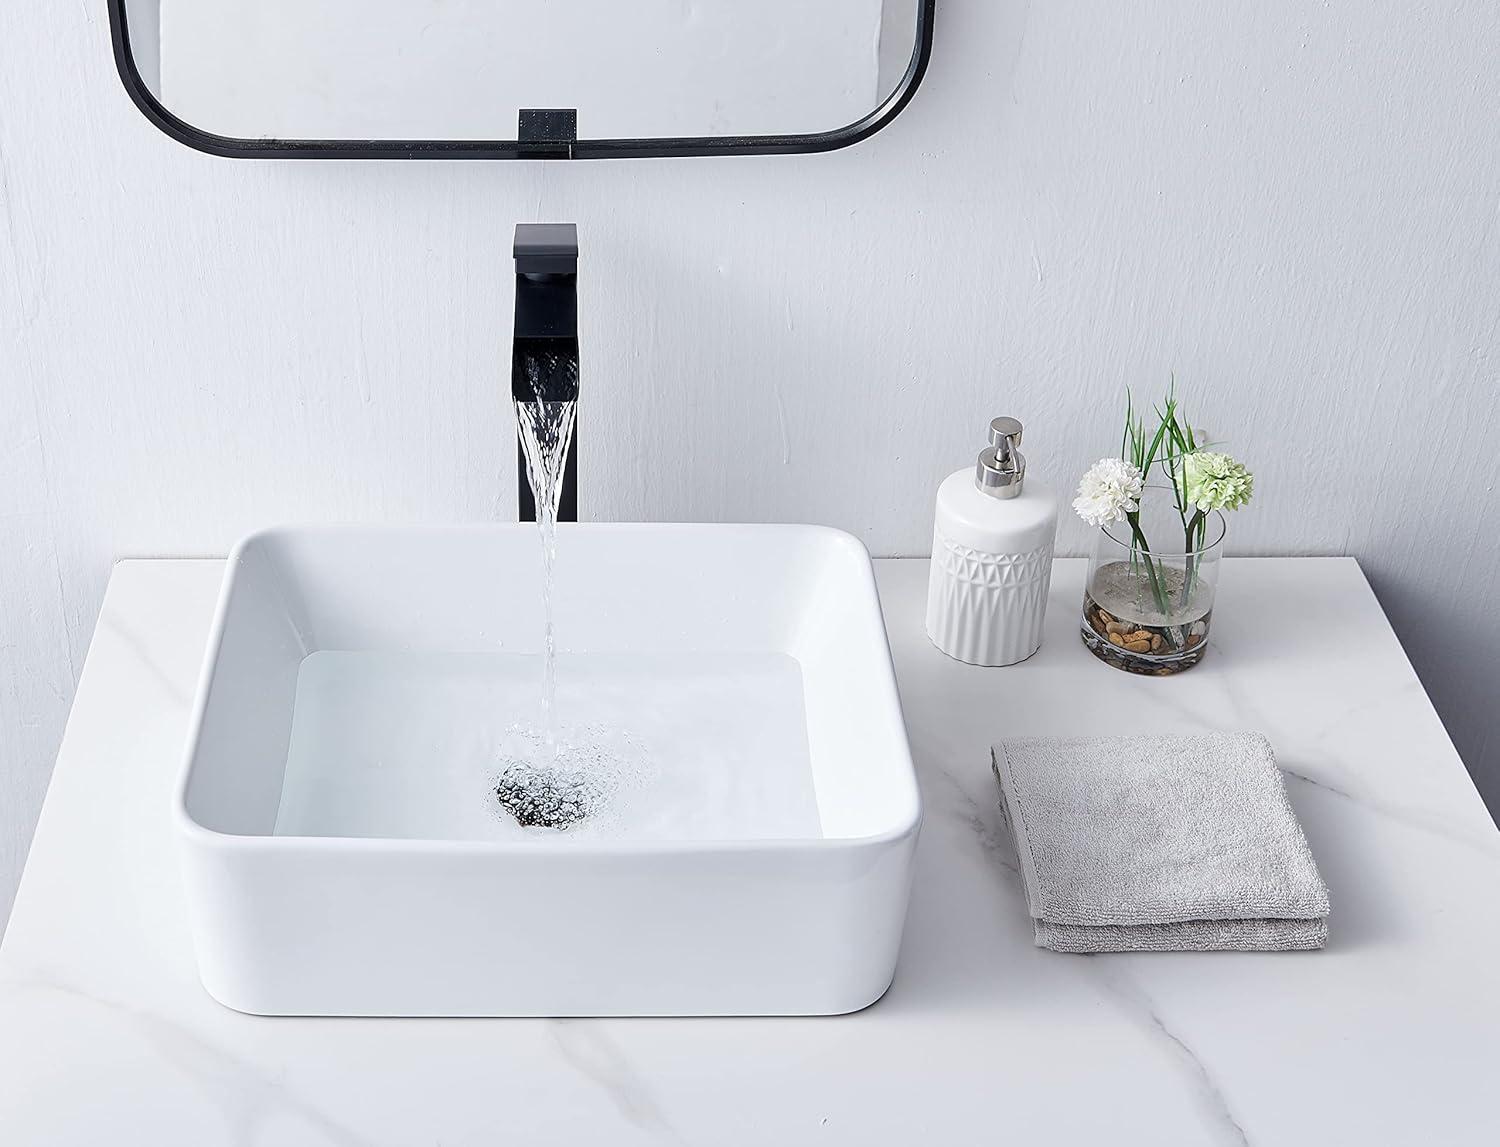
[[1146, 625]]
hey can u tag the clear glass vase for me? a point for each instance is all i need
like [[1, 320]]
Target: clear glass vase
[[1149, 601]]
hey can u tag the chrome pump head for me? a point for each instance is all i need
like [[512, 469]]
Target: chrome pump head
[[1002, 468]]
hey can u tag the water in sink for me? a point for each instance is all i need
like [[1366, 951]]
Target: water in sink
[[669, 746]]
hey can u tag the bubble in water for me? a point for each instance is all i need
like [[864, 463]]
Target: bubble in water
[[581, 779]]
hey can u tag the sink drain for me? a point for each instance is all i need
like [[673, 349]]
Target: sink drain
[[544, 799]]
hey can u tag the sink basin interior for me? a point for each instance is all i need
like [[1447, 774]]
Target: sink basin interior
[[696, 746], [366, 683]]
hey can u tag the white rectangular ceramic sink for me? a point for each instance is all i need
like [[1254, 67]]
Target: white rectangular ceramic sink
[[348, 845]]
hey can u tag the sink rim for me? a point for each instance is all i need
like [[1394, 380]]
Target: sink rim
[[906, 825]]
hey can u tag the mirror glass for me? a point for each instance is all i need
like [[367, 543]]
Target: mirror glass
[[454, 70]]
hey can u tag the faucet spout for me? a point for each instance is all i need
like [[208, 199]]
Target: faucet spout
[[544, 351]]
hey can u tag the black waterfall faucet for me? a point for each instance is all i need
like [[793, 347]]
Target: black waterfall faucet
[[544, 353]]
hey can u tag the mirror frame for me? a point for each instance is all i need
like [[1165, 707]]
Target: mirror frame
[[237, 148]]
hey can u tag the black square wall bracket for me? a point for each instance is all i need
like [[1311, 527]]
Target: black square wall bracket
[[547, 133]]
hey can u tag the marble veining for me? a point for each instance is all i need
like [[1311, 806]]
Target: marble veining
[[248, 1099], [178, 693], [980, 817], [1219, 1119], [1435, 824], [586, 1046], [1387, 1036]]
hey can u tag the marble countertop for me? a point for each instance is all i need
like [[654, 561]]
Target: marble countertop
[[1391, 1035]]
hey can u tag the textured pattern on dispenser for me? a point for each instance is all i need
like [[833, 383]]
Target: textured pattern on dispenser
[[984, 608]]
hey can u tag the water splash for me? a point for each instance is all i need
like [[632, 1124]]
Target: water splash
[[576, 779]]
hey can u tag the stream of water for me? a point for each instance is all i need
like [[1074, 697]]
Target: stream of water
[[546, 432]]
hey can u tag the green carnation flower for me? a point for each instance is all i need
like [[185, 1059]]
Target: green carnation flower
[[1214, 481]]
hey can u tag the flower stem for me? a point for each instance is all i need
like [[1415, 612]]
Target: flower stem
[[1158, 591], [1193, 527]]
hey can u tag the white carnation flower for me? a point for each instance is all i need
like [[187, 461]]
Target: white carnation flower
[[1110, 490]]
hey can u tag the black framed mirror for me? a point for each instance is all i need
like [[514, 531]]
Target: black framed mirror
[[568, 79]]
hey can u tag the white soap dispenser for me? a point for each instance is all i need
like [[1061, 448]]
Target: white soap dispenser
[[991, 556]]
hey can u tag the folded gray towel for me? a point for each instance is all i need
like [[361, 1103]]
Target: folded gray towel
[[1160, 844]]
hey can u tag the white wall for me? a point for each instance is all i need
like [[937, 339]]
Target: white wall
[[1292, 206]]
